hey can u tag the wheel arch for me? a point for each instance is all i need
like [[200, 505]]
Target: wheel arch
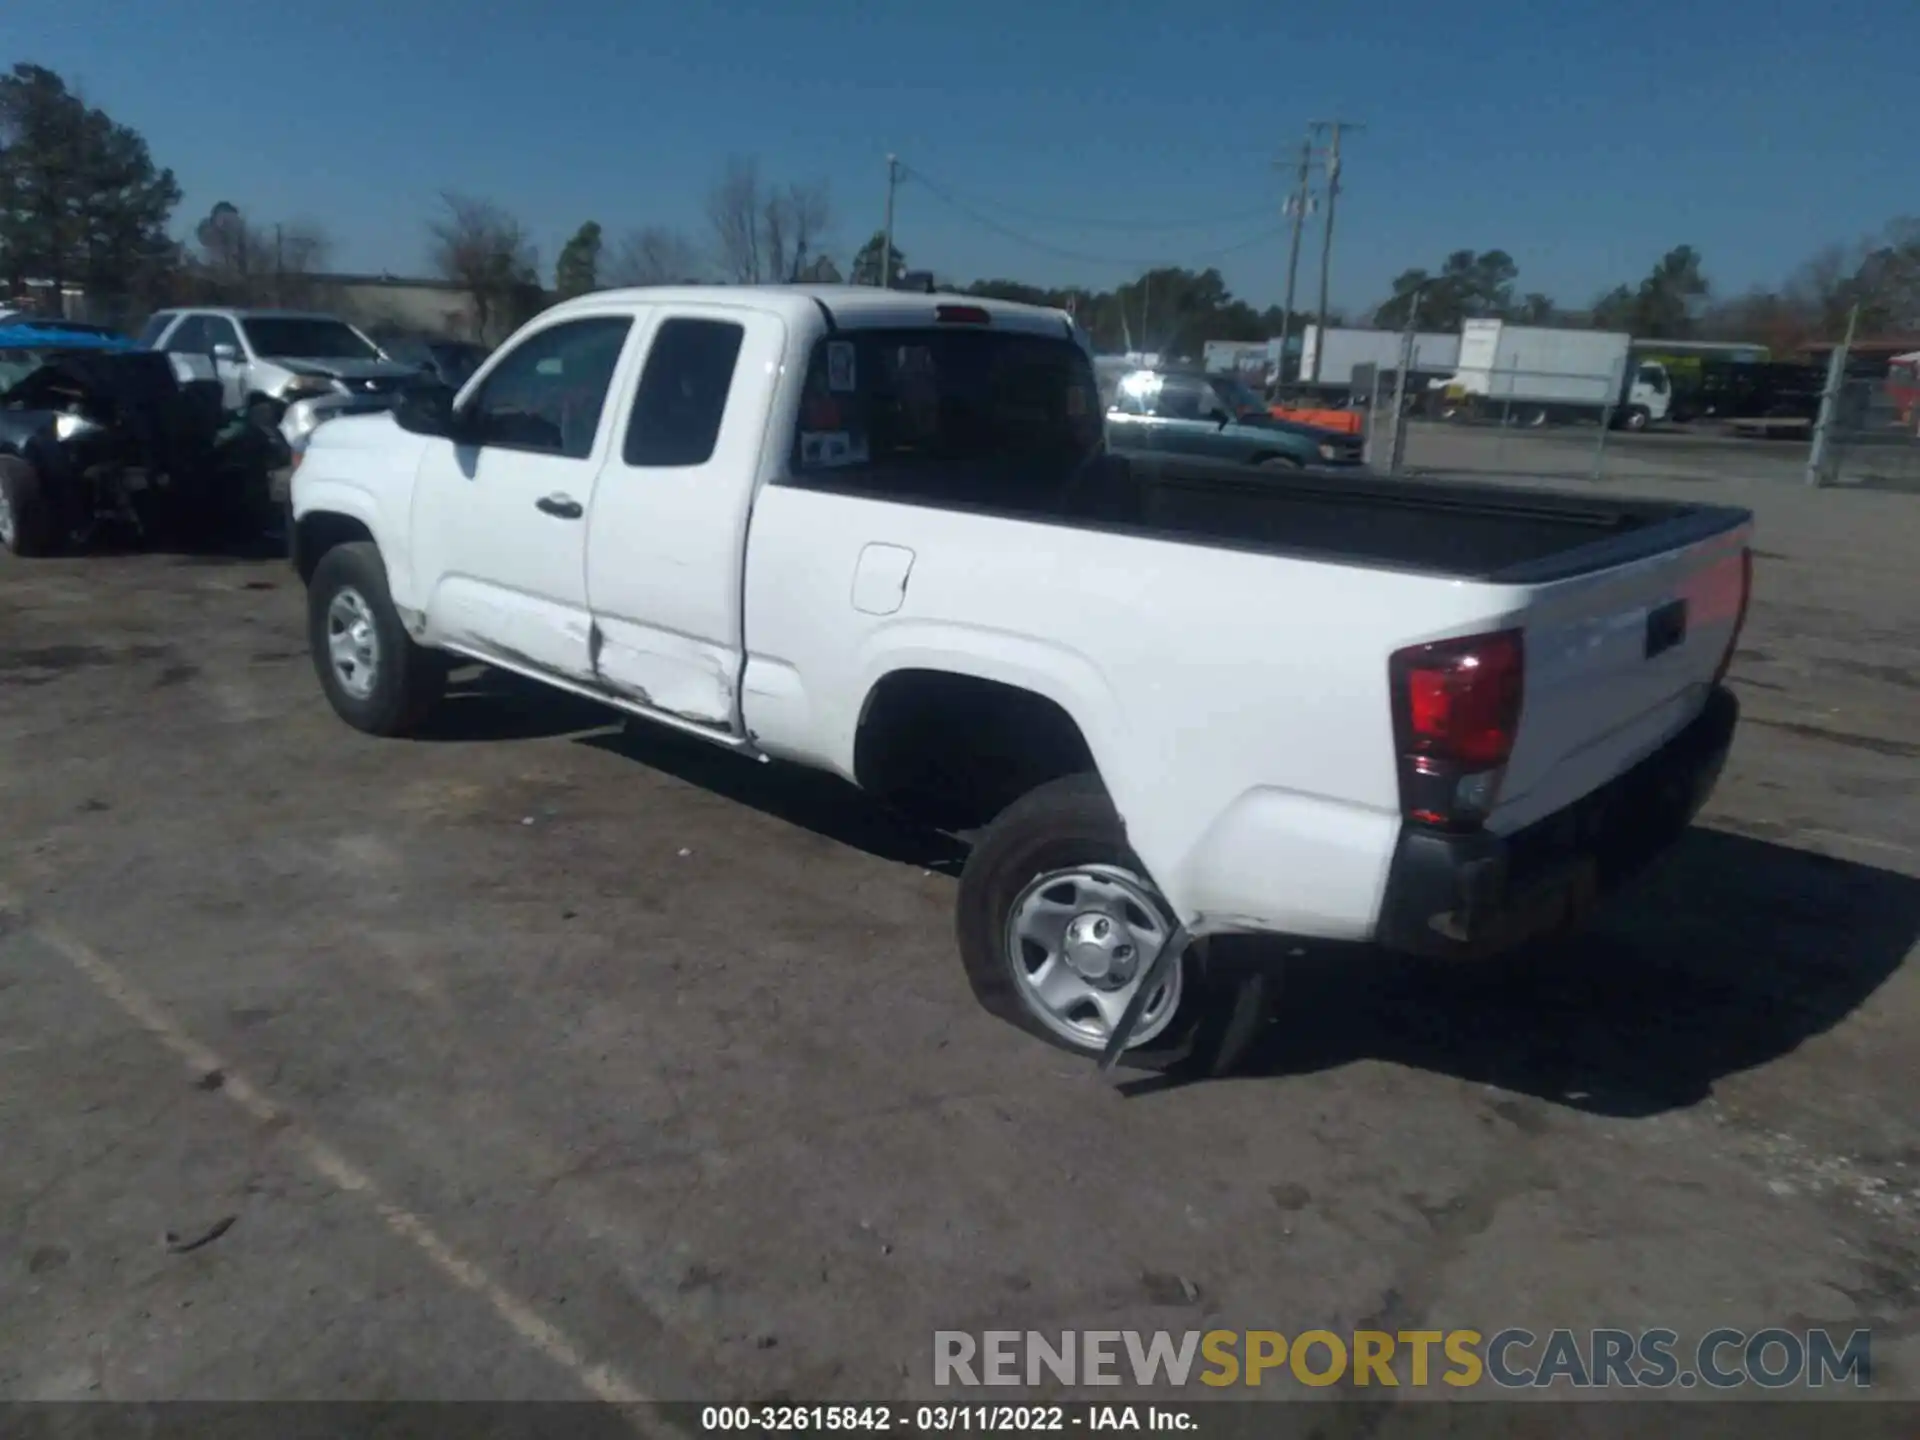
[[1013, 724], [316, 531]]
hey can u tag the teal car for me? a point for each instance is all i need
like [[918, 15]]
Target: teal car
[[1214, 417]]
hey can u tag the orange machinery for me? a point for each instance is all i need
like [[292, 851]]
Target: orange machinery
[[1346, 422]]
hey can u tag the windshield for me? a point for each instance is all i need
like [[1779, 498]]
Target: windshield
[[16, 365], [1001, 415], [307, 339], [1239, 395]]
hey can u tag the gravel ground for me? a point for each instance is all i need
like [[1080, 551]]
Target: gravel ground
[[541, 1059]]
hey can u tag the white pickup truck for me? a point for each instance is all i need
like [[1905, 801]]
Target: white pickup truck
[[879, 533]]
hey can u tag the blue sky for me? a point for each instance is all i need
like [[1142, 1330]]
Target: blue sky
[[1585, 139]]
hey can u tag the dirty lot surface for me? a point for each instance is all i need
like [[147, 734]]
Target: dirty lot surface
[[539, 1060]]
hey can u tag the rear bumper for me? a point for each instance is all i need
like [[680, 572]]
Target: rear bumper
[[1467, 896]]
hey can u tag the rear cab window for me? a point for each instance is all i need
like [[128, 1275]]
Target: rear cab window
[[682, 396], [967, 417]]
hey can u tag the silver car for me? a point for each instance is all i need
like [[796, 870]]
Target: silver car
[[265, 360]]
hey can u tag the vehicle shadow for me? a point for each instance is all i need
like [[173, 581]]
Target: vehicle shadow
[[811, 799], [112, 541], [1731, 953], [483, 705]]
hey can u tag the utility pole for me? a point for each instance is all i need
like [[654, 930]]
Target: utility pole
[[1296, 206], [1397, 442], [1332, 129], [886, 254], [1821, 461]]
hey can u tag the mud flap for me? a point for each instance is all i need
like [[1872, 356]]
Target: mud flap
[[1163, 963]]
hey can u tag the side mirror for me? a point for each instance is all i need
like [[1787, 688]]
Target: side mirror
[[428, 410], [1220, 418], [228, 353]]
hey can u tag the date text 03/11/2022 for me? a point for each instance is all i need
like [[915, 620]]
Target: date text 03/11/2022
[[943, 1419]]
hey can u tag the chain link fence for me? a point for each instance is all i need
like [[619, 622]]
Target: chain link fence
[[1873, 436], [1854, 424], [1551, 424]]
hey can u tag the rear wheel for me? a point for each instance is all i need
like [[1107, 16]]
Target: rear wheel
[[1058, 926], [27, 523], [375, 677]]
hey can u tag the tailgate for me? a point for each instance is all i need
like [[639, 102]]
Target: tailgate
[[1617, 662]]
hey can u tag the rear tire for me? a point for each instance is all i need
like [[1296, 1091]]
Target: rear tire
[[1058, 858], [27, 524], [375, 677]]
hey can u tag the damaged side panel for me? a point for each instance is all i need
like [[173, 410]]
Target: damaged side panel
[[676, 674]]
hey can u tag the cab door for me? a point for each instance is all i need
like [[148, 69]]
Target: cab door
[[1188, 419], [666, 541], [500, 512], [229, 360]]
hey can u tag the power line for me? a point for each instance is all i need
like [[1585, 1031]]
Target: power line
[[987, 222], [1242, 217]]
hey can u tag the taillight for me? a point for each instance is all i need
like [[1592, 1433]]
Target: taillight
[[1456, 713], [961, 315], [1739, 615]]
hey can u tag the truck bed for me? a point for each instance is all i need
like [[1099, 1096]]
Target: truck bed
[[1492, 533]]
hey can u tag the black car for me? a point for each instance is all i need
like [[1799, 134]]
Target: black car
[[112, 437]]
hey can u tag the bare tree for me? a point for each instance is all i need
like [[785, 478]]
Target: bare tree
[[245, 263], [793, 224], [481, 248], [765, 234], [733, 211], [654, 255]]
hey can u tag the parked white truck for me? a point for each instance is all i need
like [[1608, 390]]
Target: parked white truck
[[878, 534], [1330, 356], [1535, 375]]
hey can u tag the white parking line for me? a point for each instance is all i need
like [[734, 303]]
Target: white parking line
[[600, 1380]]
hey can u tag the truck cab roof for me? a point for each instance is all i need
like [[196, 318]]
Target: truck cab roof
[[863, 307]]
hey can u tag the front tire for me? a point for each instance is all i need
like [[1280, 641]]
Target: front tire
[[264, 414], [1058, 923], [1638, 419], [375, 677], [27, 523]]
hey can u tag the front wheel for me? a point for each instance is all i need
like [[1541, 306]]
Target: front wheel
[[1058, 924], [375, 677], [264, 414], [27, 523], [1637, 419]]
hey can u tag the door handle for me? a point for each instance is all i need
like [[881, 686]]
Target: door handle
[[563, 506]]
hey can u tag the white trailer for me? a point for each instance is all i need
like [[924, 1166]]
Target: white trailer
[[1537, 375], [1330, 357], [1249, 360]]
